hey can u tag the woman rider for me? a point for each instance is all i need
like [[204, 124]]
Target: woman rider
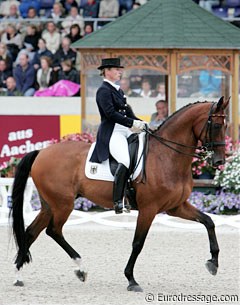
[[118, 122]]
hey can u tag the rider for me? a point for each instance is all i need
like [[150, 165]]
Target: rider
[[117, 124]]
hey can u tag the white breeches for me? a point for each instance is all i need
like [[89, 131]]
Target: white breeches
[[118, 145]]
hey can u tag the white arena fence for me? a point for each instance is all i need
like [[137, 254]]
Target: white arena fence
[[107, 218]]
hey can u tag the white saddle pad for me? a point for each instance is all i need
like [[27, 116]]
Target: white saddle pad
[[101, 171]]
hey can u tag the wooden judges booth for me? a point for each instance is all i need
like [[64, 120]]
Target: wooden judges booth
[[183, 53]]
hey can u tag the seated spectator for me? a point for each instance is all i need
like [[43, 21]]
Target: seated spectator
[[75, 33], [125, 6], [125, 86], [52, 37], [5, 55], [5, 6], [146, 90], [46, 6], [64, 53], [108, 9], [90, 10], [72, 18], [13, 15], [4, 74], [88, 29], [42, 51], [13, 40], [68, 4], [67, 72], [160, 116], [24, 75], [26, 4], [210, 83], [45, 77], [160, 91], [12, 87], [57, 12], [30, 42]]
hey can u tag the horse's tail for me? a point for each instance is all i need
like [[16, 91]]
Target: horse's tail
[[20, 181]]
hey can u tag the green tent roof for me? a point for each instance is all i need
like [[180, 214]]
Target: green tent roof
[[164, 24]]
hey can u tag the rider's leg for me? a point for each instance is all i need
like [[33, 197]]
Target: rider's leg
[[119, 150]]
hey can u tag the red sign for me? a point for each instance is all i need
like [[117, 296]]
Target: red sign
[[21, 134]]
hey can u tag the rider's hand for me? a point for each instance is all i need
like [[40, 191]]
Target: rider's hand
[[138, 126]]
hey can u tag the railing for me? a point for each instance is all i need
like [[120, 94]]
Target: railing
[[108, 218]]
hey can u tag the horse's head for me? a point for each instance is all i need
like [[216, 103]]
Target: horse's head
[[212, 131]]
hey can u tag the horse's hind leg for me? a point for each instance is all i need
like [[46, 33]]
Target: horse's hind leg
[[54, 230], [187, 211], [33, 230]]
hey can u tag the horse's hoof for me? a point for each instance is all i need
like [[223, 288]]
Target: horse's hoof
[[18, 283], [211, 267], [135, 288], [81, 275]]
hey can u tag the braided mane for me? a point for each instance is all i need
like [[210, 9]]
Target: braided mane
[[179, 110]]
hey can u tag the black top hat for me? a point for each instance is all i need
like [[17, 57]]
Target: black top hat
[[110, 63]]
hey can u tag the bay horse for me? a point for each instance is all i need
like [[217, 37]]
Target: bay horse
[[58, 173]]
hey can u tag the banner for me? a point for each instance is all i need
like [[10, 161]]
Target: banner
[[21, 134]]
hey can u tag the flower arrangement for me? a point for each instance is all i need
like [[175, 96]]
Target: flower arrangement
[[201, 167], [7, 169], [220, 203], [228, 178]]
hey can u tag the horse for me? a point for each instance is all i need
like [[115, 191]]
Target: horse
[[58, 173]]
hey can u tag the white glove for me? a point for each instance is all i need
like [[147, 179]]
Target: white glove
[[138, 126]]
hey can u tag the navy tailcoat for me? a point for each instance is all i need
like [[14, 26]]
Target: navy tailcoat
[[113, 108]]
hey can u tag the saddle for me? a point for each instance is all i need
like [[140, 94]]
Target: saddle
[[137, 146]]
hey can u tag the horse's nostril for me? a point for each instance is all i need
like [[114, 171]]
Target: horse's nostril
[[219, 162]]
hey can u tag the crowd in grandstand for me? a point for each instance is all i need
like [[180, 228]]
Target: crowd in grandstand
[[36, 38]]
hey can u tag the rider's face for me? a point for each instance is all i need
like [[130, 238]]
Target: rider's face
[[113, 74]]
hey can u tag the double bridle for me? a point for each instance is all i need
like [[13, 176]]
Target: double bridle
[[205, 151]]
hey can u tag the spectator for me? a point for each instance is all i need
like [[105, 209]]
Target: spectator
[[90, 9], [64, 53], [52, 37], [160, 116], [68, 4], [125, 86], [57, 12], [160, 91], [46, 7], [75, 33], [30, 42], [13, 40], [24, 75], [6, 5], [42, 51], [73, 18], [108, 9], [4, 74], [11, 87], [26, 4], [88, 29], [5, 55], [45, 76], [146, 89], [67, 72], [125, 6]]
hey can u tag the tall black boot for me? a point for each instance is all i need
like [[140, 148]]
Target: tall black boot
[[120, 179]]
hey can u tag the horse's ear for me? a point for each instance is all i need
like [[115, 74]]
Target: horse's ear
[[220, 103], [225, 104]]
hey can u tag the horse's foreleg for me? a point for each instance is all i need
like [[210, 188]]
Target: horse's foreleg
[[54, 230], [187, 211], [143, 224]]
